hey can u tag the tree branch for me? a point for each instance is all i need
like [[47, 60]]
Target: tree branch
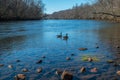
[[106, 14]]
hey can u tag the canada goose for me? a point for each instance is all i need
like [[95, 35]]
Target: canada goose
[[59, 35], [65, 37]]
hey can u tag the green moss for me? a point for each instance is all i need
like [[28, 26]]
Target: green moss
[[94, 58]]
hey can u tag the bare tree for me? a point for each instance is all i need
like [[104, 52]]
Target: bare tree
[[21, 9]]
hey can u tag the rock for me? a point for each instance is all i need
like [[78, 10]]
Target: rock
[[83, 69], [117, 46], [16, 78], [90, 59], [24, 70], [39, 70], [10, 66], [110, 61], [83, 49], [94, 70], [68, 58], [118, 72], [20, 77], [66, 75], [1, 65], [17, 60], [58, 72], [40, 61], [72, 54], [97, 46], [43, 57], [115, 64], [118, 53]]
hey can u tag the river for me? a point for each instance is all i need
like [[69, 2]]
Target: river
[[28, 41]]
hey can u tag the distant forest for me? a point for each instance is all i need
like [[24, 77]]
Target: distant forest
[[21, 9], [101, 9]]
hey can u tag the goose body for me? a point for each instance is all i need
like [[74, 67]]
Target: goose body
[[65, 37], [59, 35]]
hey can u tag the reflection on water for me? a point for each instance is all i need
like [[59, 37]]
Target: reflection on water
[[28, 41]]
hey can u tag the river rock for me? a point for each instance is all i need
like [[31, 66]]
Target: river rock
[[83, 69], [110, 61], [20, 77], [115, 64], [117, 46], [66, 75], [39, 70], [83, 49], [40, 61], [72, 54], [24, 70], [90, 59], [17, 60], [10, 66], [97, 46], [118, 72], [1, 65], [58, 72], [94, 70], [68, 58], [43, 56]]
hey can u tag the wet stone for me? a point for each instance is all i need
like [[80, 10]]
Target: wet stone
[[110, 61], [83, 49], [10, 66], [90, 59], [20, 77], [58, 72], [67, 76], [39, 70], [24, 70], [115, 64], [93, 70], [83, 69], [97, 46], [17, 60], [1, 65], [117, 46], [118, 72], [43, 56], [68, 58], [72, 54], [40, 61]]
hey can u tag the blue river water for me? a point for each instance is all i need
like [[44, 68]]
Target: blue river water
[[28, 41]]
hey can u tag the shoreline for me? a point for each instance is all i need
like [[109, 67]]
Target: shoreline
[[8, 20]]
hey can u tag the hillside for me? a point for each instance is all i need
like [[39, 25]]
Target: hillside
[[102, 9]]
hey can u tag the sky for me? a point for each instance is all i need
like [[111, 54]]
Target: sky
[[57, 5]]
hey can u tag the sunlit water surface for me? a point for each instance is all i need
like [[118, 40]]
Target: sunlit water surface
[[28, 41]]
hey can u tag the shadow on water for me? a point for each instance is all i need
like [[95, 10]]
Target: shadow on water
[[111, 37], [10, 43]]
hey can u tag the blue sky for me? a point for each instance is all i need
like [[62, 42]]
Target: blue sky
[[57, 5]]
